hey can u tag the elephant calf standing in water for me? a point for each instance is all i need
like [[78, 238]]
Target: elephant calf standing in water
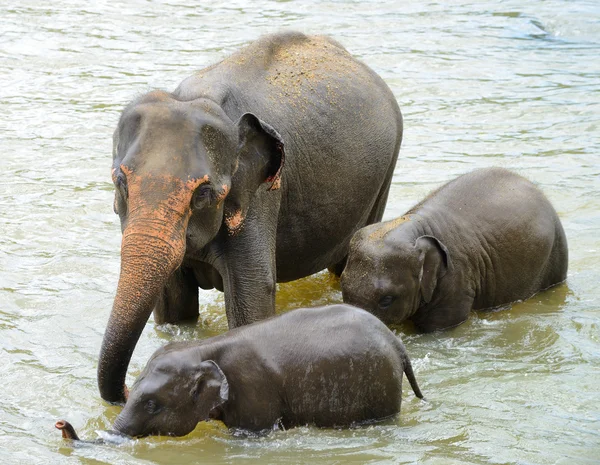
[[328, 366], [256, 170], [487, 238]]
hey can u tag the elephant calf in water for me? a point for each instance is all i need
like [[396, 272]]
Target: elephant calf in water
[[485, 239], [328, 366]]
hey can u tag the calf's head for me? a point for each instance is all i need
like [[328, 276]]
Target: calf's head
[[172, 394], [391, 277]]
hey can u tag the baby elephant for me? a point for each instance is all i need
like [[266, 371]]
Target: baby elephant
[[328, 366], [487, 238]]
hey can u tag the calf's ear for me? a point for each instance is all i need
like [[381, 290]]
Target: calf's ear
[[434, 261], [210, 388]]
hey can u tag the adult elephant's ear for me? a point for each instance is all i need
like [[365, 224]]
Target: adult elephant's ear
[[263, 144], [260, 159], [434, 261]]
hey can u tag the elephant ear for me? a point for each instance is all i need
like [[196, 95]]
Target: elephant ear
[[260, 160], [210, 388], [434, 260]]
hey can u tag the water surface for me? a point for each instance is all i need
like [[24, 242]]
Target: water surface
[[487, 83]]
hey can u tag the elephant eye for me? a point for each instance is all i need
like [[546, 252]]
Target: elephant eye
[[151, 406], [121, 185], [386, 301], [121, 193], [202, 197]]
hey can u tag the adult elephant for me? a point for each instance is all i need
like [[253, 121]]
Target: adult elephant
[[204, 197]]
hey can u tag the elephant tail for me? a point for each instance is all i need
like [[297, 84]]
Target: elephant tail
[[408, 370]]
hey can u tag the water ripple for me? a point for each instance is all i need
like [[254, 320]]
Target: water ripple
[[512, 84]]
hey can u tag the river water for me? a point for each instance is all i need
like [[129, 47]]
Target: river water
[[482, 83]]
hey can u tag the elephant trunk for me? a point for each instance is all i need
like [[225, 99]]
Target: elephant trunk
[[153, 247], [67, 430], [110, 436]]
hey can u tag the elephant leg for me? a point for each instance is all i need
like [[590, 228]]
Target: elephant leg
[[374, 217], [338, 268], [248, 268], [381, 201], [179, 299]]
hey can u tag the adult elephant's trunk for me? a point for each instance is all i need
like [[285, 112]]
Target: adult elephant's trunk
[[153, 247]]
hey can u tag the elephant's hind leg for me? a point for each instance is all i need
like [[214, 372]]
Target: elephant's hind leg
[[381, 201], [374, 217], [179, 299], [338, 268]]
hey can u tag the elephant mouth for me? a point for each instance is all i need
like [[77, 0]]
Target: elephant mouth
[[121, 427]]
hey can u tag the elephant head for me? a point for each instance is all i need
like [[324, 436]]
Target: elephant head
[[392, 277], [183, 172], [172, 395]]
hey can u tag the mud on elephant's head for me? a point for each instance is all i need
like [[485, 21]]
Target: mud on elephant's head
[[390, 276], [184, 172]]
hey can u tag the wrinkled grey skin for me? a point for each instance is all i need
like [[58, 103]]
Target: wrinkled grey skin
[[327, 366], [487, 238], [256, 170]]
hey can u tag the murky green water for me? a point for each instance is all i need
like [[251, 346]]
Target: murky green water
[[509, 83]]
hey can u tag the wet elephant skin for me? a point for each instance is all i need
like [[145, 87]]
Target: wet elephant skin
[[487, 238], [256, 170], [328, 366]]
